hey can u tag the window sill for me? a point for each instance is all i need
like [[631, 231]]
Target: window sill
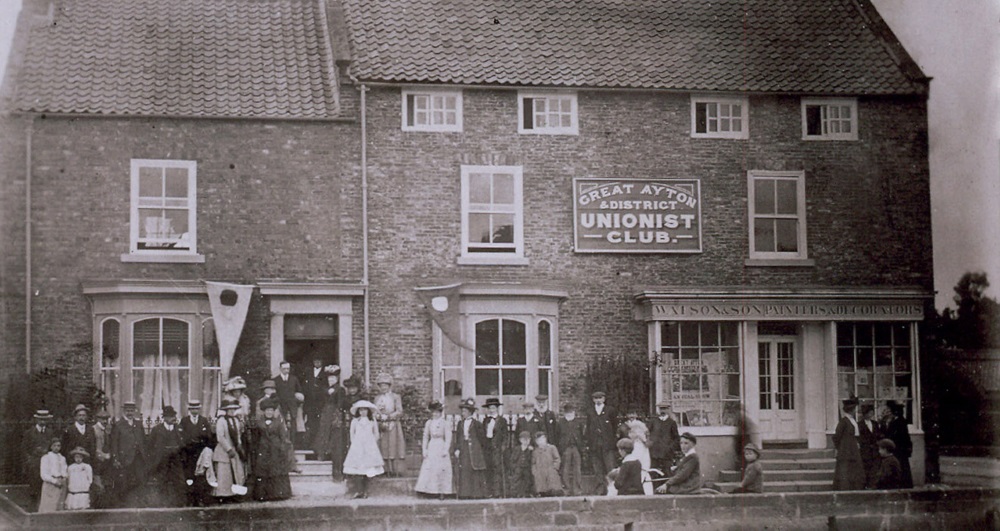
[[163, 258], [415, 129], [830, 139], [492, 260], [720, 137], [703, 431], [780, 262], [550, 132]]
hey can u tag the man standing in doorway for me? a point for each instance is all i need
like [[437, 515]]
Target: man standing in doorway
[[601, 443], [314, 387], [289, 396]]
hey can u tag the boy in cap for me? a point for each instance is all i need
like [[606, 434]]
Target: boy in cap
[[545, 467], [495, 429], [602, 421], [890, 473], [167, 461], [753, 474], [128, 454], [687, 473], [664, 439], [520, 483], [35, 442], [570, 437]]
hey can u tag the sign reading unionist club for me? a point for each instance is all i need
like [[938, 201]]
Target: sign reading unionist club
[[637, 215]]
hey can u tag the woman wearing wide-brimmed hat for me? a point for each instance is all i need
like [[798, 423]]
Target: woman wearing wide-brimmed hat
[[390, 410], [236, 388], [849, 471], [363, 459], [79, 478], [230, 452]]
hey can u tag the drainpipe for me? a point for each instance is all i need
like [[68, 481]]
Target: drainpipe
[[364, 228], [27, 247]]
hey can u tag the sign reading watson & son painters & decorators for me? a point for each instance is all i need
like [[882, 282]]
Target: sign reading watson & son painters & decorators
[[637, 215]]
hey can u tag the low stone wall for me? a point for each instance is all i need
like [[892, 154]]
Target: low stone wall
[[971, 508]]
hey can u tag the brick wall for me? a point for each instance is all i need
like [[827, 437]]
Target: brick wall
[[872, 190]]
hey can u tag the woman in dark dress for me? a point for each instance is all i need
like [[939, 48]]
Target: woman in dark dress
[[849, 472], [329, 440], [270, 456], [467, 448], [896, 430]]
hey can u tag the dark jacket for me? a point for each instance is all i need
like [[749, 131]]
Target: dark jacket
[[474, 444], [314, 388], [849, 471], [664, 441], [687, 477], [71, 438], [601, 429], [629, 480], [898, 432], [535, 425], [889, 474], [286, 393], [868, 447], [570, 433], [128, 443]]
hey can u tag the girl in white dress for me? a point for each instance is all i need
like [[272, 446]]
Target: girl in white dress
[[53, 472], [435, 471], [81, 476], [364, 460]]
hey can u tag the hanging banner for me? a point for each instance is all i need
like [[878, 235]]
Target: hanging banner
[[637, 215], [229, 312], [442, 303]]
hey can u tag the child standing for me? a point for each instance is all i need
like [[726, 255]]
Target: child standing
[[569, 434], [364, 460], [80, 476], [628, 480], [520, 484], [753, 474], [53, 472], [890, 472], [435, 471], [545, 467]]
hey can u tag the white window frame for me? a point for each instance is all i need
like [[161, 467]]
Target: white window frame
[[825, 105], [500, 258], [431, 94], [573, 129], [912, 400], [800, 178], [189, 255], [719, 101]]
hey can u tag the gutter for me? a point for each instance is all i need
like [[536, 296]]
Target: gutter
[[364, 222]]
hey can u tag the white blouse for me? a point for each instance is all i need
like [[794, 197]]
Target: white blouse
[[53, 467]]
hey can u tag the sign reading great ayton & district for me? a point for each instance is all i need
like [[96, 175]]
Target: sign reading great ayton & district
[[637, 215]]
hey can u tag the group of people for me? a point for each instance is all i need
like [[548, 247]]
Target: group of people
[[872, 454], [540, 454]]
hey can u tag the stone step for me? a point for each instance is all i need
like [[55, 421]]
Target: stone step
[[799, 464], [976, 466], [807, 453], [313, 468], [781, 475], [791, 444], [784, 486]]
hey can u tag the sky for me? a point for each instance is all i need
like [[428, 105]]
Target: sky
[[956, 42]]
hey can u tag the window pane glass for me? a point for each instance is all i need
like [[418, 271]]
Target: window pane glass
[[787, 198], [479, 188], [669, 333], [710, 334], [865, 358], [763, 234], [514, 344], [513, 381], [210, 345], [211, 389], [787, 235], [543, 381], [863, 334], [730, 334], [700, 118], [763, 196], [110, 333], [488, 343], [503, 228], [544, 344], [177, 182], [175, 343], [503, 189], [146, 343], [150, 182], [565, 105], [901, 360], [488, 382], [845, 359], [689, 334], [883, 334], [813, 121], [176, 223], [845, 334], [479, 228], [901, 334]]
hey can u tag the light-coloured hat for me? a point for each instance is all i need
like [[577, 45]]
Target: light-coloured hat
[[79, 451], [383, 378], [332, 370], [194, 404], [79, 408], [128, 404], [43, 414], [753, 448], [360, 404], [235, 383]]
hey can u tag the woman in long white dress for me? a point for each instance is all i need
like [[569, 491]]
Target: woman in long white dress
[[435, 471]]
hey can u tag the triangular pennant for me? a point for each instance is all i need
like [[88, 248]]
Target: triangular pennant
[[229, 315], [442, 303]]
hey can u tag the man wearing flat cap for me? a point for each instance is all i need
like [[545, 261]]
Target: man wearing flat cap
[[167, 460], [80, 434], [602, 444]]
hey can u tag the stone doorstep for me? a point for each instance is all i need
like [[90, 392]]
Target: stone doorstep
[[771, 476], [775, 487], [817, 453], [794, 464]]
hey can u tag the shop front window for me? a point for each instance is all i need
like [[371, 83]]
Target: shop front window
[[875, 363], [700, 372]]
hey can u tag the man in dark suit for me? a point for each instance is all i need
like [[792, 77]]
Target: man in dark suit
[[530, 422], [314, 386], [35, 443], [80, 434], [496, 433], [467, 448], [548, 417], [128, 454], [687, 474], [602, 421], [664, 440], [196, 435], [167, 460], [289, 396]]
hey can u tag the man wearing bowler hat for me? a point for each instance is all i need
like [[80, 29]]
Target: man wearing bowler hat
[[167, 459], [602, 445], [128, 454]]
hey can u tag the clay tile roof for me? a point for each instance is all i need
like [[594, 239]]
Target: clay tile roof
[[200, 58], [802, 46]]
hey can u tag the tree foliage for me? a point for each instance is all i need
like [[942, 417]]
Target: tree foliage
[[975, 323]]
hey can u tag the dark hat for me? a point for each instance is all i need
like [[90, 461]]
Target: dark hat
[[851, 403], [492, 401], [887, 444], [468, 403], [435, 406], [103, 414], [268, 384], [540, 434], [268, 403], [689, 436], [568, 407], [43, 414], [353, 381], [867, 407], [169, 411], [523, 434], [895, 407], [332, 370], [597, 394], [194, 404], [230, 403], [753, 448]]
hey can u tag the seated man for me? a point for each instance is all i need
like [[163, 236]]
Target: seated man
[[687, 473]]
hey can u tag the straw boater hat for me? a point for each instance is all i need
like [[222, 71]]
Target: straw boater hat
[[383, 378], [468, 403], [194, 404], [541, 398], [79, 408], [230, 403], [360, 404], [79, 450], [43, 414], [128, 405]]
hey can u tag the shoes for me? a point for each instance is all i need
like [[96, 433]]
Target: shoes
[[360, 496]]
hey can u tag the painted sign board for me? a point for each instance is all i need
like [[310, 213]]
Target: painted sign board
[[637, 215]]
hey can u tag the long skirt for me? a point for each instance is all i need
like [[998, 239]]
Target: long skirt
[[51, 499], [78, 501], [229, 475], [469, 483], [391, 442], [435, 471], [272, 488]]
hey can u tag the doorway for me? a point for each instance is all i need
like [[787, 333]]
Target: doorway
[[780, 403], [309, 337]]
